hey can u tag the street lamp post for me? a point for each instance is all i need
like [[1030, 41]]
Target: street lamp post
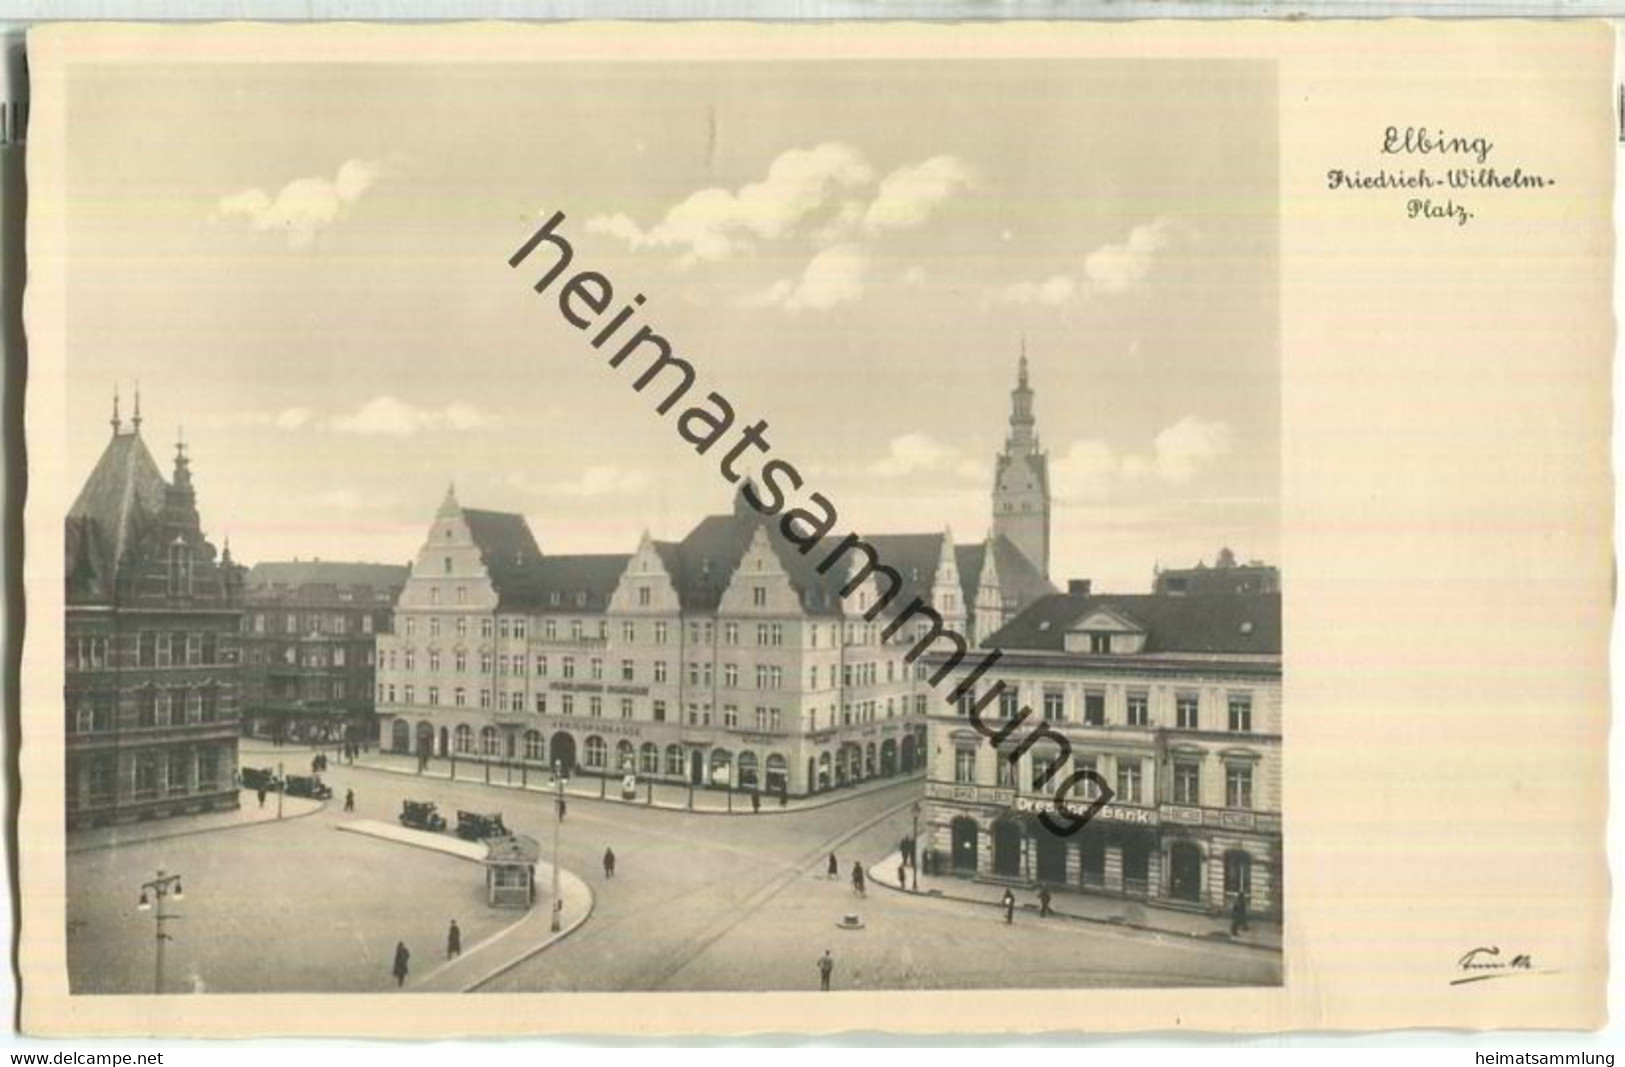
[[914, 847], [281, 787], [558, 823], [153, 894]]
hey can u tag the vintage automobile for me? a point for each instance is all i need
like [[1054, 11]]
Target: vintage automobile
[[422, 815], [475, 826], [260, 778], [306, 786]]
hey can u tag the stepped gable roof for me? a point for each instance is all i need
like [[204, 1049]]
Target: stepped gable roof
[[1019, 580], [1231, 624], [703, 562], [124, 489], [915, 557], [296, 573]]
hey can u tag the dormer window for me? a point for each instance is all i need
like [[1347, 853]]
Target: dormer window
[[1100, 644]]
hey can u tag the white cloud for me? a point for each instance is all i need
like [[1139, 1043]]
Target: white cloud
[[716, 223], [1058, 289], [1092, 470], [1188, 445], [1119, 268], [286, 419], [388, 416], [913, 452], [1109, 270], [911, 194], [304, 206], [597, 481], [834, 276]]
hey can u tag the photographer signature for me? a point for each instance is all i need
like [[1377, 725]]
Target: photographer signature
[[1482, 964]]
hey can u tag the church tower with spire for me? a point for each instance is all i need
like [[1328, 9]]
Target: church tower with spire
[[1021, 501]]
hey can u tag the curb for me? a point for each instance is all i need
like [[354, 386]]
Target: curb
[[1056, 914], [638, 805], [553, 939], [321, 806]]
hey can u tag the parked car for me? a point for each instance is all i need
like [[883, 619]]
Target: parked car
[[260, 778], [422, 815], [307, 786], [476, 826]]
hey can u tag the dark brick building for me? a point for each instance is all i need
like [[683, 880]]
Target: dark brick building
[[308, 636], [1224, 578], [152, 660]]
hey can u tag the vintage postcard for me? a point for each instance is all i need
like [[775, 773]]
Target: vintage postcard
[[960, 528]]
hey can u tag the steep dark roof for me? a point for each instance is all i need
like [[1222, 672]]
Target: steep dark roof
[[704, 561], [583, 583], [915, 557], [124, 490], [1019, 580], [1224, 624], [296, 573], [508, 550]]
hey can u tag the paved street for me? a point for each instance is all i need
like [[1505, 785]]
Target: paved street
[[701, 902]]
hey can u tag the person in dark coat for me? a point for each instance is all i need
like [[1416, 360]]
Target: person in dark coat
[[454, 941], [402, 956], [349, 800], [834, 868], [826, 967], [261, 793], [755, 803], [1043, 902], [901, 882], [857, 878], [1009, 902], [1238, 915], [609, 863]]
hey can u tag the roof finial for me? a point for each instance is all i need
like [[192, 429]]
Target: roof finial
[[115, 419], [135, 420], [1022, 372]]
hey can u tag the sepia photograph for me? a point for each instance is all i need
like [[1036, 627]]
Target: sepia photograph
[[740, 529]]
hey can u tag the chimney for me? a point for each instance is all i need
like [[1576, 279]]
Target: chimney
[[1078, 587]]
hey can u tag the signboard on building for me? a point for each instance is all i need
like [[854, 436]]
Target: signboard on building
[[1109, 813]]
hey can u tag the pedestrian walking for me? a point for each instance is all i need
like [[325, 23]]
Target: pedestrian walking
[[901, 884], [349, 800], [1043, 902], [261, 794], [857, 878], [454, 941], [402, 957], [826, 967], [562, 808], [755, 803], [609, 863], [1009, 902], [834, 868], [1238, 915]]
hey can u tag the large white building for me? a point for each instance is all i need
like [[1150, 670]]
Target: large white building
[[727, 658], [1174, 701]]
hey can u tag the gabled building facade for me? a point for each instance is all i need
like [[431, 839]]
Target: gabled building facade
[[151, 694]]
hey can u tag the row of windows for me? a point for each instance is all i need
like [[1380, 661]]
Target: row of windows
[[320, 656], [595, 754], [153, 649], [1187, 777], [89, 713], [765, 718], [173, 773], [768, 676], [1136, 711], [700, 632], [312, 622]]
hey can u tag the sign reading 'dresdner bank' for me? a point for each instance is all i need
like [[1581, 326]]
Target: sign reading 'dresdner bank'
[[1109, 813]]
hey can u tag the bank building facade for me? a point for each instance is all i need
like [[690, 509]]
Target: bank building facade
[[1173, 700]]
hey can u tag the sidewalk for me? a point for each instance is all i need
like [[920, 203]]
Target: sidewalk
[[248, 814], [662, 796], [1080, 906]]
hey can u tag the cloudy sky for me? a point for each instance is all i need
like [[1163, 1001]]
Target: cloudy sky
[[306, 269]]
